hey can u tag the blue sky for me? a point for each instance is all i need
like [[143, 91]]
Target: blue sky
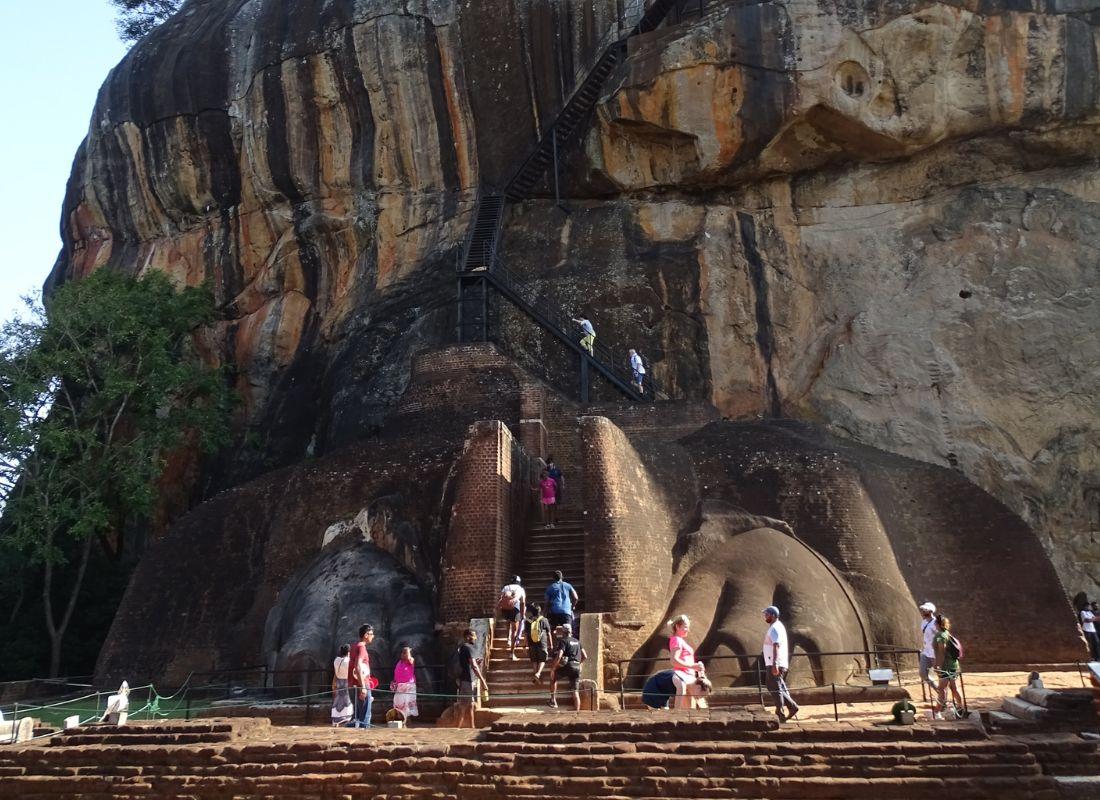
[[54, 57]]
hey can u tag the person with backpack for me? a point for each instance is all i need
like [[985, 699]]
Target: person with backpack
[[560, 597], [568, 657], [948, 654], [512, 603], [539, 641]]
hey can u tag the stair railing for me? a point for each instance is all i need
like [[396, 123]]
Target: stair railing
[[612, 361]]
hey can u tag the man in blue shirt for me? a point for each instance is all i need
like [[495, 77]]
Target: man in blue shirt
[[560, 597]]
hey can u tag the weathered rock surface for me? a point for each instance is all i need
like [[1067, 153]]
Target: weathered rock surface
[[880, 218]]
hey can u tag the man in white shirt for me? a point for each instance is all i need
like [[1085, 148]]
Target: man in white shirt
[[637, 366], [927, 647], [776, 661], [513, 604], [1088, 625]]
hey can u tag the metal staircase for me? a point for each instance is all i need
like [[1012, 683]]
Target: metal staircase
[[479, 265]]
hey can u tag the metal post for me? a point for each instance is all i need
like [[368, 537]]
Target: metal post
[[836, 713], [188, 717], [15, 723], [962, 691], [759, 683], [309, 699], [622, 687], [461, 302], [554, 137], [484, 310]]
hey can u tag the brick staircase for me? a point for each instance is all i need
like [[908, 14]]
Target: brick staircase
[[700, 754], [548, 549], [510, 683], [206, 731]]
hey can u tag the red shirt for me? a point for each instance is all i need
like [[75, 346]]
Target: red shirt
[[360, 665]]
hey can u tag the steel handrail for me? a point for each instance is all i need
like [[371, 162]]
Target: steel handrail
[[601, 353]]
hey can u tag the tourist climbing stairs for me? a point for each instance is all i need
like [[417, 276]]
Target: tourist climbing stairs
[[548, 549], [479, 264]]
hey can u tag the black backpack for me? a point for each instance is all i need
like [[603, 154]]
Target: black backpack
[[953, 648]]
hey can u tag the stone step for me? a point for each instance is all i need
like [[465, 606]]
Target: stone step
[[167, 728], [1022, 709], [130, 739], [1078, 787], [1058, 700], [1001, 719]]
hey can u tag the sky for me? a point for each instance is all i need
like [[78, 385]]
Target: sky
[[53, 59]]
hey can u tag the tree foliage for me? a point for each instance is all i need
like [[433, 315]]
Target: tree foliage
[[137, 17], [94, 394]]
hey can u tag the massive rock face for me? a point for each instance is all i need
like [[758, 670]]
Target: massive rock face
[[881, 217]]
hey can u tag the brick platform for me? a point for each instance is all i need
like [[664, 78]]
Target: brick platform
[[694, 754]]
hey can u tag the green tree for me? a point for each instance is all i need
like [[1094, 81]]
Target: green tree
[[95, 391], [137, 17]]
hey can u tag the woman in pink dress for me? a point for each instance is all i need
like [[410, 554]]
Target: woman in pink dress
[[686, 670], [548, 488], [404, 685]]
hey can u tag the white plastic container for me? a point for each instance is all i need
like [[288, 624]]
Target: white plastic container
[[881, 677]]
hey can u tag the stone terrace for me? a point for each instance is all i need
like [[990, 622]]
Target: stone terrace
[[738, 754]]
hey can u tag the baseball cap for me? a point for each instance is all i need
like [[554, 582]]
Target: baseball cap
[[771, 610], [930, 607]]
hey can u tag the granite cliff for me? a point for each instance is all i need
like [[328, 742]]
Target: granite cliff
[[879, 218]]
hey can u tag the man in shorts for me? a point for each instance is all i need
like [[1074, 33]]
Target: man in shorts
[[470, 677], [560, 599], [539, 641], [512, 602], [568, 657], [927, 648], [637, 369]]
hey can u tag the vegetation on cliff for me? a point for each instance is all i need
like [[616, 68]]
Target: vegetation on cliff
[[95, 393], [137, 17]]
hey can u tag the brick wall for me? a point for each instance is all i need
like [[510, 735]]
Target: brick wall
[[488, 522]]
